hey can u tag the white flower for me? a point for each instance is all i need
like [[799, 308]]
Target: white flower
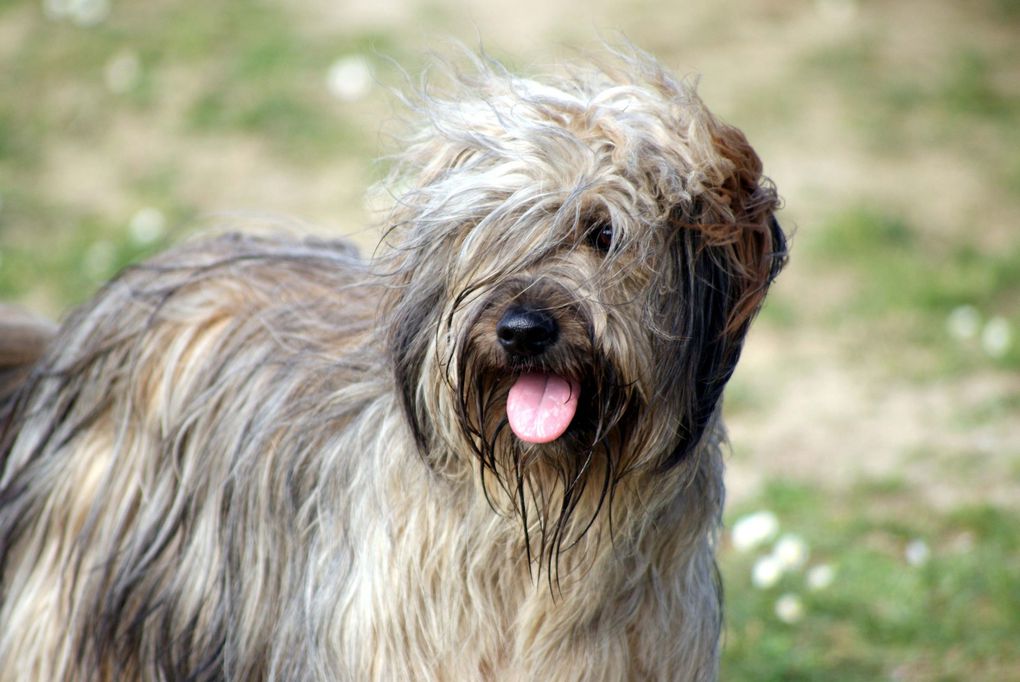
[[766, 572], [349, 78], [754, 529], [963, 322], [820, 577], [789, 608], [791, 552], [147, 225], [917, 552], [89, 12], [81, 12], [122, 72], [996, 338]]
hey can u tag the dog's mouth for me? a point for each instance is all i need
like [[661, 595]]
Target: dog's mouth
[[540, 406], [532, 373]]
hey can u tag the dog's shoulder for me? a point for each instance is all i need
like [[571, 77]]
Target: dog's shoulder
[[204, 318]]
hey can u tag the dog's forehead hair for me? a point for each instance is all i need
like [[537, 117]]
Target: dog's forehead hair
[[641, 140], [626, 140]]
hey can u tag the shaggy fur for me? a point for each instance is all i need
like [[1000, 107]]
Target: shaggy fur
[[267, 459]]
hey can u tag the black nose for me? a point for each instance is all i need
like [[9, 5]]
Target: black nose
[[526, 331]]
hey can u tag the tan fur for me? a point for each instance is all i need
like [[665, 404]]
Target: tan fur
[[264, 458], [23, 342]]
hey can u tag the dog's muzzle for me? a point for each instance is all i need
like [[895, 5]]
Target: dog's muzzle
[[540, 404]]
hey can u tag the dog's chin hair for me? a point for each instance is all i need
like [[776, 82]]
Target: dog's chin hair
[[267, 459], [556, 490]]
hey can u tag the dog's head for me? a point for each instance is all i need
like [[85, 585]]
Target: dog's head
[[575, 267]]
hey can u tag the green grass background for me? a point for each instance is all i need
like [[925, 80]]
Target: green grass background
[[859, 417]]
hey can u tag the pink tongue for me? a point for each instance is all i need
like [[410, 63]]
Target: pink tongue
[[539, 407]]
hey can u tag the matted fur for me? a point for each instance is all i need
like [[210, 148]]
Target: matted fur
[[261, 458]]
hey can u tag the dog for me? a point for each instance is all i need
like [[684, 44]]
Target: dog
[[493, 451]]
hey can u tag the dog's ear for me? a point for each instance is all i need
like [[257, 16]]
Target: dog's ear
[[735, 212], [410, 312], [731, 248]]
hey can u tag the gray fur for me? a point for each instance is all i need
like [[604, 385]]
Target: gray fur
[[267, 459]]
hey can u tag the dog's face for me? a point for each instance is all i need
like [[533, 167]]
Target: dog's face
[[576, 269]]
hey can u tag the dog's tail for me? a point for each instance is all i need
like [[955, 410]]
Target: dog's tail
[[24, 338]]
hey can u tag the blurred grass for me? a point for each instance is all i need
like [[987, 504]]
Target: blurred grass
[[874, 277], [244, 71], [952, 616], [270, 83], [906, 276]]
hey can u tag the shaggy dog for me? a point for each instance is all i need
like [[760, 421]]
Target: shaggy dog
[[490, 453]]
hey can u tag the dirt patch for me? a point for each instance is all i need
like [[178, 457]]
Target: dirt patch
[[816, 418]]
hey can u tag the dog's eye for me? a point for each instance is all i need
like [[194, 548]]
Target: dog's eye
[[600, 237]]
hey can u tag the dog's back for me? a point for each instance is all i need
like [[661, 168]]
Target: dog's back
[[23, 340]]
